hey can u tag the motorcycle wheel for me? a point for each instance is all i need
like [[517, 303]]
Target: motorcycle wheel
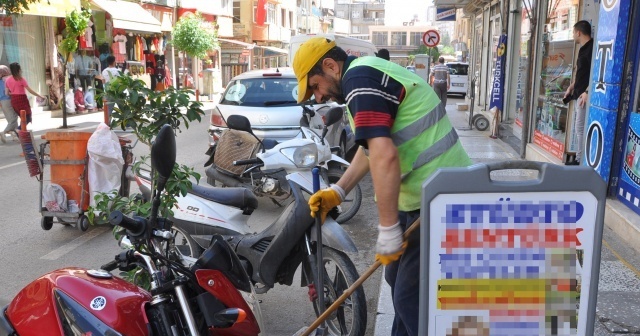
[[350, 319], [184, 243], [352, 202]]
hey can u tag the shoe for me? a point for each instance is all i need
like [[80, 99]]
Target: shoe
[[572, 163], [3, 138]]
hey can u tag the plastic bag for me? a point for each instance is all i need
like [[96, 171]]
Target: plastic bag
[[105, 161], [54, 198]]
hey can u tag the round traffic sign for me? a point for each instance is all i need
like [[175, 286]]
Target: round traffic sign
[[431, 38]]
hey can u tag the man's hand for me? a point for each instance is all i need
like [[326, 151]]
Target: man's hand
[[582, 100], [324, 200], [390, 244]]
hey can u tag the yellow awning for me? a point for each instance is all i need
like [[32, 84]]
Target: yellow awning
[[56, 8], [129, 16]]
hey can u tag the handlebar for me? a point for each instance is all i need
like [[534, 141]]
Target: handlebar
[[110, 266], [246, 162], [135, 225]]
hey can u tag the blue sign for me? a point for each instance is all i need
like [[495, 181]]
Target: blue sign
[[445, 14], [497, 88]]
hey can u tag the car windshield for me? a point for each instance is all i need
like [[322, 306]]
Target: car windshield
[[458, 69], [261, 92]]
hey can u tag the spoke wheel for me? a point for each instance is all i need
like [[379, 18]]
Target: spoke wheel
[[184, 243], [350, 319]]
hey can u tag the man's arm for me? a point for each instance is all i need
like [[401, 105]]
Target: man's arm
[[385, 171], [448, 81], [357, 170]]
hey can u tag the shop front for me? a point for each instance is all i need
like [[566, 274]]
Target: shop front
[[131, 34], [553, 51], [30, 40]]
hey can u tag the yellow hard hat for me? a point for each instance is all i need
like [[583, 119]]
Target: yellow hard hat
[[309, 53]]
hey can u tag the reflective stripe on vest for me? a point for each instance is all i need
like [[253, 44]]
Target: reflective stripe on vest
[[437, 149], [419, 126]]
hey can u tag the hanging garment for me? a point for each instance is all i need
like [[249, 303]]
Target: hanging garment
[[122, 43], [88, 35]]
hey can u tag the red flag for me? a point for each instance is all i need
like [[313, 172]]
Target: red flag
[[261, 12]]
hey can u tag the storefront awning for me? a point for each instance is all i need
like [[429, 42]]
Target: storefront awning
[[244, 44], [129, 16], [54, 8], [451, 3], [275, 49]]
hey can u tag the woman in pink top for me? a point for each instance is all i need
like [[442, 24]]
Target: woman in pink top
[[16, 87]]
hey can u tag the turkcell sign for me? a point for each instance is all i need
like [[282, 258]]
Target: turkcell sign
[[445, 14], [497, 88]]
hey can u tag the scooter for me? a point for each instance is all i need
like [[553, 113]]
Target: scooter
[[267, 177], [204, 299], [273, 255]]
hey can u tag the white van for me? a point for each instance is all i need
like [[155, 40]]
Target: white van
[[353, 46], [458, 73]]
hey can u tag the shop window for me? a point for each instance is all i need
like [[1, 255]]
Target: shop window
[[558, 53], [21, 41]]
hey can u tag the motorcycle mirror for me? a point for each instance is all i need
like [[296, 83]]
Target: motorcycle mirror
[[163, 152], [333, 115], [239, 123]]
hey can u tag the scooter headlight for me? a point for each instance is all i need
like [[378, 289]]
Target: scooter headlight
[[303, 157]]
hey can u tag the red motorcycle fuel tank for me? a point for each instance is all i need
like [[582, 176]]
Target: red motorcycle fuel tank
[[69, 300]]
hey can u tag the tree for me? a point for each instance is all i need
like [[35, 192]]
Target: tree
[[194, 37], [423, 49], [76, 23], [446, 39], [16, 6]]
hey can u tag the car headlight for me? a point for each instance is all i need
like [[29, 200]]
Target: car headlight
[[303, 157]]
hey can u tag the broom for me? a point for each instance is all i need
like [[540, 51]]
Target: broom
[[28, 148]]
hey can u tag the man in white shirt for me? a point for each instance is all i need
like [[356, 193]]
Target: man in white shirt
[[109, 74]]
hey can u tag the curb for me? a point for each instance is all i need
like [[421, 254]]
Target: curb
[[385, 313]]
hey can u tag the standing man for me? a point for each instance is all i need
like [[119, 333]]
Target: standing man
[[440, 80], [109, 74], [404, 134], [578, 88]]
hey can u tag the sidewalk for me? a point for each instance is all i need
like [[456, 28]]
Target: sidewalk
[[619, 286]]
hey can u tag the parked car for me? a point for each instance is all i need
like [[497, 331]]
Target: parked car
[[458, 72], [268, 99]]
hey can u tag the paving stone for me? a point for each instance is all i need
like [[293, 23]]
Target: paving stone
[[619, 311]]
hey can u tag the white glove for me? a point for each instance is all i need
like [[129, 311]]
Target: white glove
[[390, 244]]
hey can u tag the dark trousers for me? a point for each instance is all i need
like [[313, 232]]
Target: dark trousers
[[441, 91], [85, 81], [404, 278]]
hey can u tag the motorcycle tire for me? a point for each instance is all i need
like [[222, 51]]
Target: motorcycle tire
[[352, 202], [350, 319], [185, 243]]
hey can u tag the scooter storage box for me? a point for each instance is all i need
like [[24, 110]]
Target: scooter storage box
[[234, 145]]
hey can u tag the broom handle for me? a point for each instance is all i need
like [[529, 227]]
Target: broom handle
[[23, 120], [355, 286]]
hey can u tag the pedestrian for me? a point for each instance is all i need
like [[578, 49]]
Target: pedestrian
[[16, 87], [384, 54], [578, 90], [78, 99], [5, 105], [405, 136], [89, 99], [440, 80], [108, 75]]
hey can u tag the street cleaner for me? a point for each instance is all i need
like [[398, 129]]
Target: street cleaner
[[405, 136]]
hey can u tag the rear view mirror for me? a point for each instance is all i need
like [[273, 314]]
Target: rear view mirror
[[334, 115], [239, 123], [163, 152]]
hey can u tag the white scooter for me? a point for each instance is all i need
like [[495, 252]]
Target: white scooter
[[266, 173]]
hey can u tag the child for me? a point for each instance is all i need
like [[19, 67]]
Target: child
[[16, 87], [79, 100]]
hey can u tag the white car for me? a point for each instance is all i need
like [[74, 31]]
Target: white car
[[458, 72], [268, 99]]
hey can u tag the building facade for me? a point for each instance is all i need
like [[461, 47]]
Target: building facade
[[361, 14]]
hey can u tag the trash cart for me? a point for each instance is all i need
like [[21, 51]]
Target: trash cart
[[66, 155]]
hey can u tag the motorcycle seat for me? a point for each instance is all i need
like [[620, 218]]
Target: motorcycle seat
[[241, 198]]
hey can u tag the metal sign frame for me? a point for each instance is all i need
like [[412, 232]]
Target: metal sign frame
[[474, 273]]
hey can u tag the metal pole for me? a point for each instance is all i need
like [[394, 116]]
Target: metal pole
[[320, 259]]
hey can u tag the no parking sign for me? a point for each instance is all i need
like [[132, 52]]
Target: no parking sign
[[510, 258]]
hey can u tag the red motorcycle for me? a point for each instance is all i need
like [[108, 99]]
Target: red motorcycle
[[208, 296]]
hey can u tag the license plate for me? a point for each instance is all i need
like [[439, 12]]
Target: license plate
[[457, 84]]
